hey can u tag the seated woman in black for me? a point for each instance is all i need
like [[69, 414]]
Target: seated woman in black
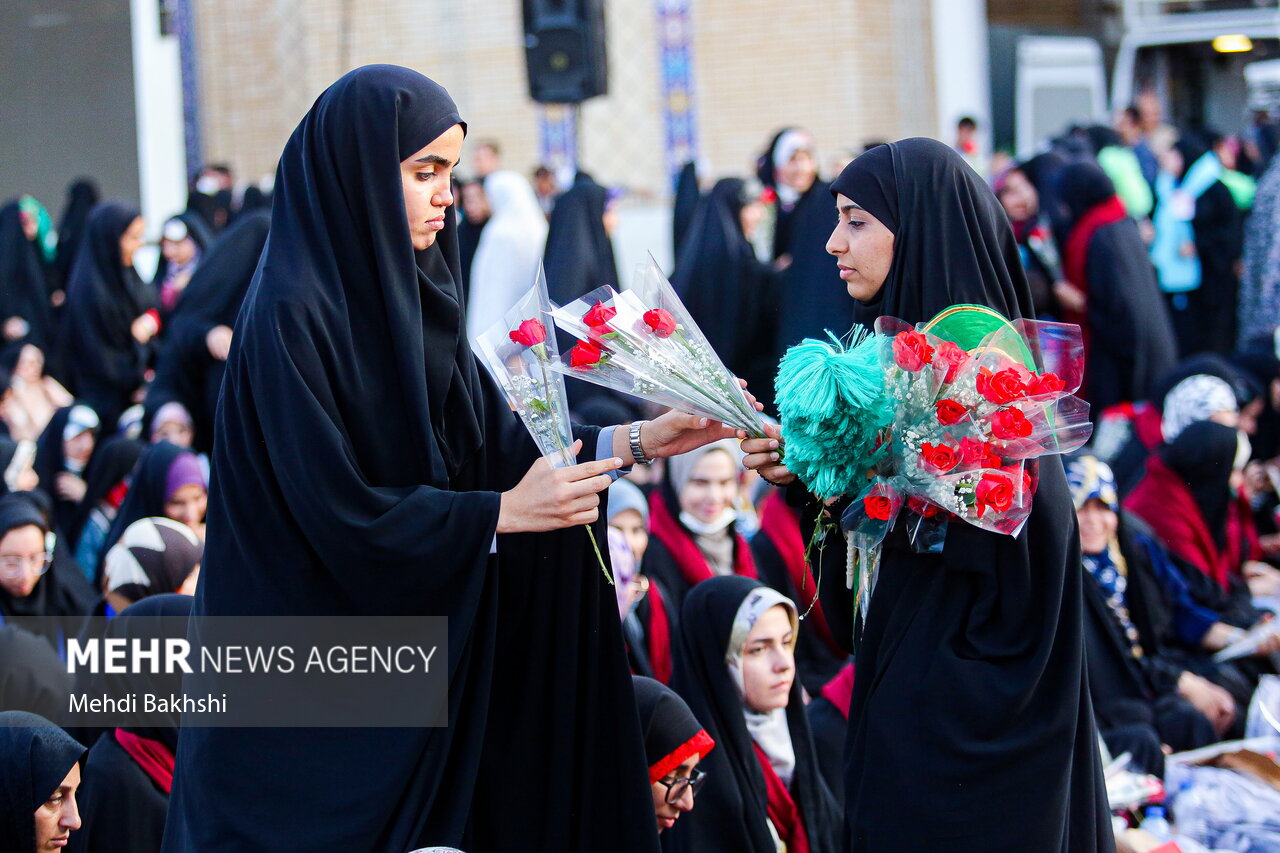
[[1142, 697], [735, 666]]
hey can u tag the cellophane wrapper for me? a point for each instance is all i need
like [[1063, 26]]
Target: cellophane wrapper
[[648, 346], [966, 426], [534, 389]]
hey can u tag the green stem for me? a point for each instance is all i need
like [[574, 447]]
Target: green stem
[[564, 452]]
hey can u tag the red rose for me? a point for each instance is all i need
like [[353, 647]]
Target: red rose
[[1002, 387], [911, 350], [953, 357], [768, 196], [939, 458], [878, 507], [922, 507], [662, 323], [994, 491], [1008, 424], [585, 354], [530, 333], [950, 412], [599, 316], [1048, 383], [978, 454]]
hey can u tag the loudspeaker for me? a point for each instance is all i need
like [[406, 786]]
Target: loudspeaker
[[564, 50]]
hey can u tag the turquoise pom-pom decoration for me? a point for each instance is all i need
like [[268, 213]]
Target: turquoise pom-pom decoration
[[831, 398]]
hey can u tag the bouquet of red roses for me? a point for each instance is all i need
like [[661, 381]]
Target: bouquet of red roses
[[643, 342], [963, 424], [521, 355]]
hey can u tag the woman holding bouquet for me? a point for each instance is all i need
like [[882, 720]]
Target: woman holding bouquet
[[970, 727], [363, 465]]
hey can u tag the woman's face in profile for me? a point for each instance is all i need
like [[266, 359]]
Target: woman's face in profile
[[131, 241], [1019, 197], [426, 177], [863, 249]]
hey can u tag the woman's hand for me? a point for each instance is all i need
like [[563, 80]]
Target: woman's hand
[[554, 498], [219, 342], [675, 432], [1209, 699], [1262, 578], [764, 455], [144, 328], [1070, 297], [70, 487]]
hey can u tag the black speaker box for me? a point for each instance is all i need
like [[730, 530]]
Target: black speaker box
[[564, 50]]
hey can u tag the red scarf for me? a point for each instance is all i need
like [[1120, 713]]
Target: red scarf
[[152, 756], [1074, 264], [839, 690], [783, 810], [658, 634], [781, 524], [1164, 502], [689, 558]]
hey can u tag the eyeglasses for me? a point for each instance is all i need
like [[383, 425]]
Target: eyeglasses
[[16, 567], [677, 787]]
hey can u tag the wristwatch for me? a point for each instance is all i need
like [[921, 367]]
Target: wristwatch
[[637, 452]]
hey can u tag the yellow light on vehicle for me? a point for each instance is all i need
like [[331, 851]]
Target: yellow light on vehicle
[[1233, 44]]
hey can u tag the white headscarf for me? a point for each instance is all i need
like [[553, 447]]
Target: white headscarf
[[770, 729], [510, 249], [1196, 398]]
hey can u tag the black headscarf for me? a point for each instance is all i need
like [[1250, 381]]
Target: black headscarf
[[122, 807], [971, 659], [102, 359], [684, 207], [24, 289], [148, 492], [1100, 136], [199, 232], [62, 591], [1081, 187], [730, 812], [666, 721], [32, 676], [732, 296], [1042, 171], [51, 460], [952, 240], [1203, 456], [82, 195], [111, 462], [336, 494], [35, 756], [579, 254]]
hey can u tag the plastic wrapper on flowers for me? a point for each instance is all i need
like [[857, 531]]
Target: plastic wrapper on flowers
[[964, 428], [520, 353], [643, 342]]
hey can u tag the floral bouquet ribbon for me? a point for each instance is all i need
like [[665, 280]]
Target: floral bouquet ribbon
[[520, 355], [938, 424], [644, 343]]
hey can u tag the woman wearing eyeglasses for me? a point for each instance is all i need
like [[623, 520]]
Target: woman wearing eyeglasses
[[674, 743], [735, 666], [28, 590]]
